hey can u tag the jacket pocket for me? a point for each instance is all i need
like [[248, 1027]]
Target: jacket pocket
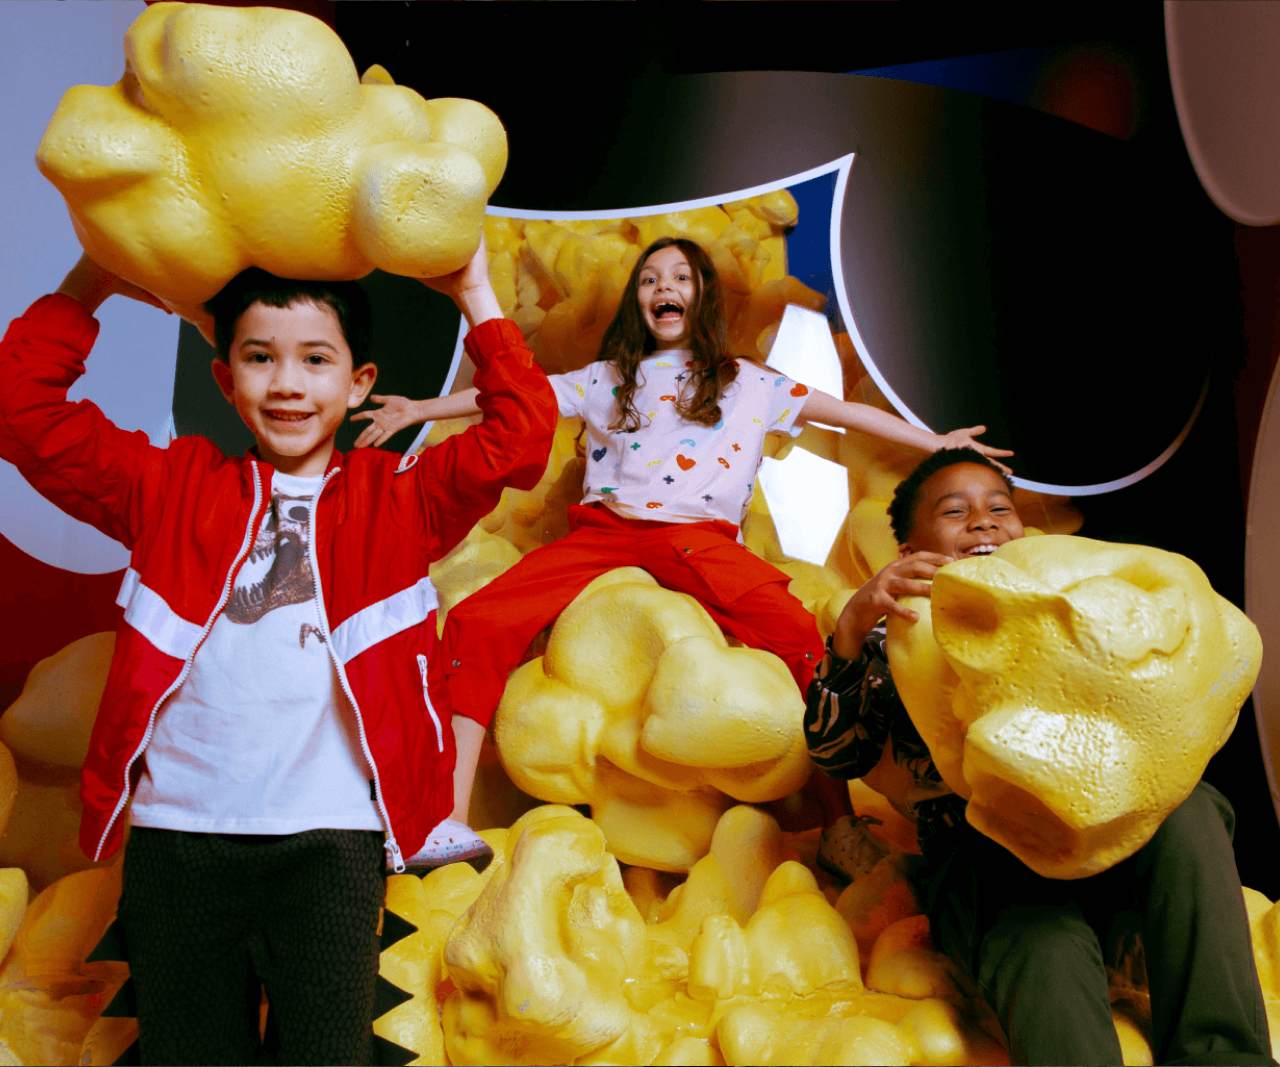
[[426, 697]]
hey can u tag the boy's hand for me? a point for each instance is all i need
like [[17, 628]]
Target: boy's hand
[[91, 284], [966, 438], [396, 413], [469, 288], [908, 576]]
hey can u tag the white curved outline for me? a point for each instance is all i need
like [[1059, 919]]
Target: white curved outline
[[841, 167]]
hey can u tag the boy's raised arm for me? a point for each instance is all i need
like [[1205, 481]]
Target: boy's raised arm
[[89, 285], [72, 454], [464, 476]]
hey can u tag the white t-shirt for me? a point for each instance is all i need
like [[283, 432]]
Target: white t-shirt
[[671, 469], [259, 738]]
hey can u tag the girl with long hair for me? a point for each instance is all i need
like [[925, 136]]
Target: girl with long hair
[[675, 429]]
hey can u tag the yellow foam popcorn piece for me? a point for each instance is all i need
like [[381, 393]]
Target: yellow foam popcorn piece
[[13, 905], [8, 786], [242, 136], [1264, 927], [945, 1038], [877, 900], [50, 722], [47, 731], [746, 848], [1073, 692], [642, 710], [49, 995], [903, 962], [541, 961], [761, 1034], [794, 945]]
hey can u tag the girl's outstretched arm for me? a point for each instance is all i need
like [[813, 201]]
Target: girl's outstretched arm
[[397, 412], [822, 407]]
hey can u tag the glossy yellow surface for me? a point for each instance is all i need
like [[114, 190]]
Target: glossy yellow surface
[[1073, 691], [49, 995], [1264, 926], [642, 710], [243, 137], [47, 731], [559, 959]]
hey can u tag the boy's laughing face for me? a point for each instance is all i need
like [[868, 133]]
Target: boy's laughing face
[[963, 510], [290, 375]]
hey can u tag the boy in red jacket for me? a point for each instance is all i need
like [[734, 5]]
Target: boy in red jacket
[[274, 705]]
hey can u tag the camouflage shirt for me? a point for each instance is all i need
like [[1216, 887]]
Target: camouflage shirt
[[852, 712]]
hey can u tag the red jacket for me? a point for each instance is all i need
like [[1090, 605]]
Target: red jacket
[[189, 514]]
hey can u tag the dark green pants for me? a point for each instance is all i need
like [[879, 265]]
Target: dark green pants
[[1034, 945]]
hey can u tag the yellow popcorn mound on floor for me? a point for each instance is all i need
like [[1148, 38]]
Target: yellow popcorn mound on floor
[[641, 709], [242, 137], [1073, 692], [556, 953], [551, 960]]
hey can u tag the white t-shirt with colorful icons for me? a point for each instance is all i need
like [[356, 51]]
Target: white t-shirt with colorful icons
[[671, 469]]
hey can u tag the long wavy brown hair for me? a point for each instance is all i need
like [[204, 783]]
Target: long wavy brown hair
[[628, 340]]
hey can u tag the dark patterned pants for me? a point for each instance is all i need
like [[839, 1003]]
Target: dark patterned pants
[[210, 920]]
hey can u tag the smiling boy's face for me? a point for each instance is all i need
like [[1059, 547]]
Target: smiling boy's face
[[290, 375], [963, 510]]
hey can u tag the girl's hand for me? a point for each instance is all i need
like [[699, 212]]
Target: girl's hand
[[967, 439], [908, 576], [396, 413]]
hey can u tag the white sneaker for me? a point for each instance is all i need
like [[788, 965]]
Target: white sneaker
[[450, 842]]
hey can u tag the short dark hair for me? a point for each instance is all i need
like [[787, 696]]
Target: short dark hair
[[902, 508], [347, 300]]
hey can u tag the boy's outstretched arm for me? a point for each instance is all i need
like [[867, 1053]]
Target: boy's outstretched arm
[[462, 478], [822, 407]]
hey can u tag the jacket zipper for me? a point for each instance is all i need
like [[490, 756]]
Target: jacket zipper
[[250, 534], [426, 695], [393, 849]]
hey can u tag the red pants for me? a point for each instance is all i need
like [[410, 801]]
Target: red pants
[[486, 634]]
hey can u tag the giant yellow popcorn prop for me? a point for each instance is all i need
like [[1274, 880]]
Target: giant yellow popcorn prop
[[242, 136], [553, 961], [49, 995], [1264, 926], [1073, 691], [642, 710], [47, 731]]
